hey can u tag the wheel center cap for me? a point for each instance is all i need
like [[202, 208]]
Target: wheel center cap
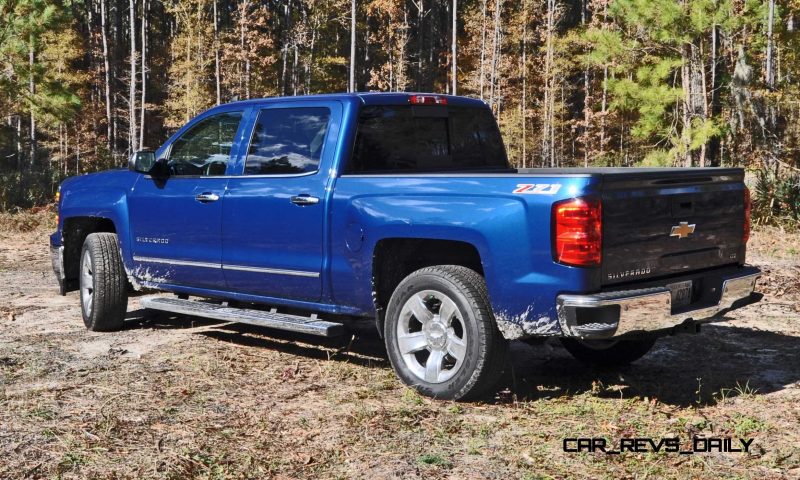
[[436, 334]]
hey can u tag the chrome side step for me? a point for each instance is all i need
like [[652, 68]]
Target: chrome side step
[[310, 325]]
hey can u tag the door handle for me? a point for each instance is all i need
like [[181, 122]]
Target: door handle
[[304, 200], [206, 197]]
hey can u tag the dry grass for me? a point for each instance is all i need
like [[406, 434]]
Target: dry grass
[[182, 398], [26, 221]]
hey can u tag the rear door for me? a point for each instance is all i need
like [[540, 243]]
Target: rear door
[[666, 222], [274, 211], [176, 223]]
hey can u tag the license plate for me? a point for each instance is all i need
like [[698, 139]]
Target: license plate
[[681, 293]]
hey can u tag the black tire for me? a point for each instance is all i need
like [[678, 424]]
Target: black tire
[[103, 283], [608, 353], [472, 327]]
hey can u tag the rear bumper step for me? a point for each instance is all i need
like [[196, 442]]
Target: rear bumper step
[[280, 321], [614, 314]]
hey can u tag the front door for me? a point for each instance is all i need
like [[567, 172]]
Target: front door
[[272, 229], [176, 222]]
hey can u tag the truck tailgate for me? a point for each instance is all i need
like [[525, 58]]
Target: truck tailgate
[[664, 222]]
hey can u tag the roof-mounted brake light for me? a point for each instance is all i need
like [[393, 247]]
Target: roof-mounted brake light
[[427, 100]]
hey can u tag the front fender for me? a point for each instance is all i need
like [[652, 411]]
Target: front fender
[[103, 195]]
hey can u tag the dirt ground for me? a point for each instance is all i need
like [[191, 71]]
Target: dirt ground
[[180, 397]]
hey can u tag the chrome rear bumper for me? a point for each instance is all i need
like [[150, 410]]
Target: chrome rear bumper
[[613, 314]]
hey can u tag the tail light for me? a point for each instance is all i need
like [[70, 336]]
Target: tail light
[[578, 230], [427, 100], [748, 207]]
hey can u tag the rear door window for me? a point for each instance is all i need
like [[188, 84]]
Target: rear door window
[[287, 141], [426, 139]]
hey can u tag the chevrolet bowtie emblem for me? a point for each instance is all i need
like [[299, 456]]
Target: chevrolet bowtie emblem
[[682, 230]]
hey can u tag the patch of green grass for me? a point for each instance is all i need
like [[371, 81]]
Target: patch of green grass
[[485, 430], [42, 413], [434, 459], [71, 461], [411, 397], [744, 425], [742, 391], [474, 446]]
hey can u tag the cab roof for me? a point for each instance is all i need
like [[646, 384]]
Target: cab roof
[[364, 98]]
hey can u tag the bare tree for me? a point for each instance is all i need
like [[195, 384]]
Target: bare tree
[[586, 97], [132, 89], [495, 51], [770, 76], [32, 88], [352, 84], [106, 72], [144, 72], [216, 54], [524, 103], [548, 106], [483, 48], [453, 47]]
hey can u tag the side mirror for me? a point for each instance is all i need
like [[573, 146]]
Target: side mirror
[[160, 169], [142, 161]]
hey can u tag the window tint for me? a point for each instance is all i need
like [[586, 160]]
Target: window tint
[[426, 138], [205, 149], [287, 140]]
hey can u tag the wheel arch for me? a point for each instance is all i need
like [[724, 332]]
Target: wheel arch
[[74, 231], [394, 258]]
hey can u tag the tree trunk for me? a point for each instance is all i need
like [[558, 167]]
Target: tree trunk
[[604, 100], [453, 61], [310, 71], [143, 73], [548, 142], [713, 152], [132, 89], [110, 141], [420, 41], [19, 144], [352, 83], [524, 104], [294, 70], [770, 75], [285, 47], [586, 98], [495, 52], [483, 50], [216, 55], [32, 92], [694, 101]]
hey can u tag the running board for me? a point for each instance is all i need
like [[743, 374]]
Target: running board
[[294, 323]]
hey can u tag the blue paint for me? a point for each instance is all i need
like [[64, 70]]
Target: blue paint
[[254, 224]]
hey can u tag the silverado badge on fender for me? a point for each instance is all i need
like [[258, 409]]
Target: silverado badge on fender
[[682, 230]]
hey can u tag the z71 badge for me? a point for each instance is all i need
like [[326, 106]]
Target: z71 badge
[[538, 188]]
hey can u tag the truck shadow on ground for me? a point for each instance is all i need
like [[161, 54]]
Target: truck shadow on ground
[[700, 370]]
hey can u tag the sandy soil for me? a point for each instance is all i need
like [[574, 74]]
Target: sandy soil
[[178, 397]]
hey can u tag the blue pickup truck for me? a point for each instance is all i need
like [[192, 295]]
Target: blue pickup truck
[[300, 213]]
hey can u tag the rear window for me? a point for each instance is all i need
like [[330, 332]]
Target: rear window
[[426, 139], [287, 141]]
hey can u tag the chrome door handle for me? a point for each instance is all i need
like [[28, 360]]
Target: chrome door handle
[[206, 197], [304, 200]]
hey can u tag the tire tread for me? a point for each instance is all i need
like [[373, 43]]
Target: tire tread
[[111, 284], [493, 349]]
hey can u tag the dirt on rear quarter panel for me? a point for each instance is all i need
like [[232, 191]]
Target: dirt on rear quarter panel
[[181, 397]]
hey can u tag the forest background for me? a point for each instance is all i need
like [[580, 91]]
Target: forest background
[[83, 83]]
